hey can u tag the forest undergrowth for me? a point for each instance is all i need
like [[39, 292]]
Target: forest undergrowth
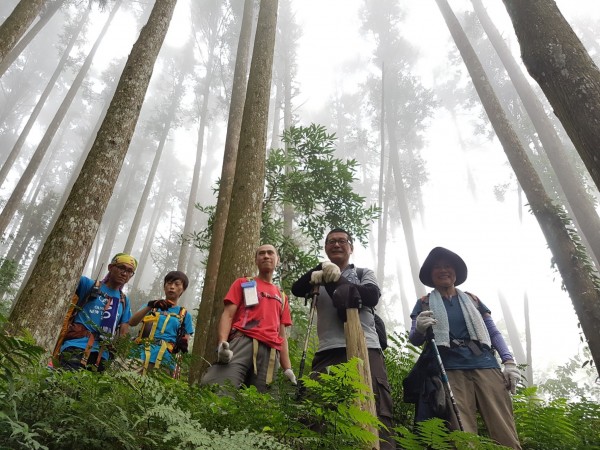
[[45, 408]]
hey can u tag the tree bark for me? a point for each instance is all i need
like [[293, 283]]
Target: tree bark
[[555, 57], [65, 252], [579, 277], [135, 225], [245, 210], [14, 153], [17, 24], [15, 198], [206, 322], [33, 32], [578, 199]]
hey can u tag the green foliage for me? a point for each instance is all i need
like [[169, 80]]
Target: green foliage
[[318, 187], [333, 398], [16, 352], [53, 409], [574, 380], [433, 434], [556, 424], [41, 408], [400, 358], [9, 272]]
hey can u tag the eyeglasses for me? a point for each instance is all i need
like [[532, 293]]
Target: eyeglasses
[[337, 241], [126, 270]]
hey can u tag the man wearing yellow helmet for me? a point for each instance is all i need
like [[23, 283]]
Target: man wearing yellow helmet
[[102, 312]]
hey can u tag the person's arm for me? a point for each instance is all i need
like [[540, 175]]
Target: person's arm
[[302, 286], [138, 316], [369, 292], [497, 340], [125, 317], [414, 337], [123, 329], [225, 322], [284, 354]]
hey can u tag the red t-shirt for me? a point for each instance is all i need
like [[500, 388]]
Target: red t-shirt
[[262, 321]]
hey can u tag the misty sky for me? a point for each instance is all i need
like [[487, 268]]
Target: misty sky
[[502, 254]]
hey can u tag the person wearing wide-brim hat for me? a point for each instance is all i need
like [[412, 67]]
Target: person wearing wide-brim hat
[[467, 338]]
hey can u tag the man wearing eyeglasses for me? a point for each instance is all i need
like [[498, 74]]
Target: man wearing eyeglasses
[[101, 312], [342, 288], [252, 329]]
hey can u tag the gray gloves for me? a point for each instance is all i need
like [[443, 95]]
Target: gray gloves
[[223, 353], [289, 373], [425, 320], [512, 376], [330, 273]]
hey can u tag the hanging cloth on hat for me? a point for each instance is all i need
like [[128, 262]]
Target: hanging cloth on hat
[[475, 325]]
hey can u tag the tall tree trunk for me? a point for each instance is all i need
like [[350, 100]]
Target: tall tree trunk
[[403, 204], [135, 226], [15, 198], [24, 42], [65, 252], [573, 264], [381, 221], [275, 140], [112, 216], [144, 260], [206, 322], [17, 24], [578, 199], [558, 61], [512, 330], [245, 210], [288, 209], [191, 207], [529, 369], [14, 153], [67, 190]]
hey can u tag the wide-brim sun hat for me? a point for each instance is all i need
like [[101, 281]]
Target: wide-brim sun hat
[[460, 268]]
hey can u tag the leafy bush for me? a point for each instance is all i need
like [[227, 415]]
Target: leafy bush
[[556, 424], [49, 409]]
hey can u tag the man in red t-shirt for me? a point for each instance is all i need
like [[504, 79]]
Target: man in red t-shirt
[[252, 336]]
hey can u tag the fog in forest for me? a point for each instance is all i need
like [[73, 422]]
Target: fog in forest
[[459, 188]]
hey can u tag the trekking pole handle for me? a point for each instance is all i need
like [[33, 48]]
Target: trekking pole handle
[[429, 333]]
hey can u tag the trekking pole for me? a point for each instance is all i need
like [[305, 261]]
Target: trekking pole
[[311, 316], [444, 376]]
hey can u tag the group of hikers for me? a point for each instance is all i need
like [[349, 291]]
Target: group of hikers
[[458, 372]]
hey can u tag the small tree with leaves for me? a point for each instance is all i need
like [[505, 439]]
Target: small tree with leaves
[[319, 186]]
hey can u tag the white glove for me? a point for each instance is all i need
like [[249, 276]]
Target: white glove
[[512, 376], [425, 320], [316, 277], [331, 272], [224, 355], [289, 373]]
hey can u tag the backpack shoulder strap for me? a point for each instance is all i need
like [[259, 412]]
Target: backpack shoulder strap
[[360, 271], [283, 299], [474, 298]]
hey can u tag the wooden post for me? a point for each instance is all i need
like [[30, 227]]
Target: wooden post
[[356, 346]]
